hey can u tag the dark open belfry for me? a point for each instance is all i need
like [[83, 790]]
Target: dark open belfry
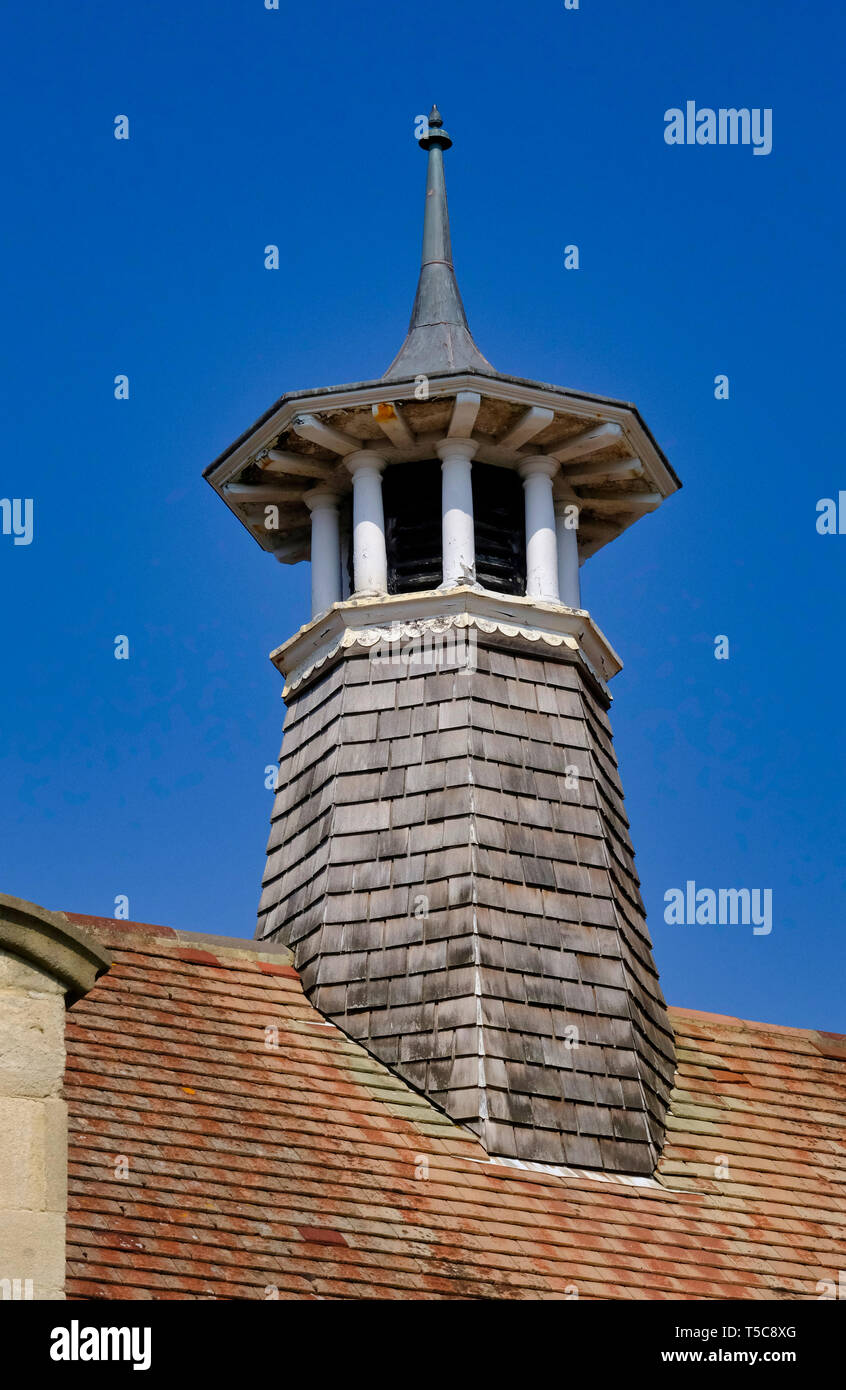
[[500, 529], [412, 501]]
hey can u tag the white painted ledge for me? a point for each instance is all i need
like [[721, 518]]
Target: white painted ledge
[[367, 621]]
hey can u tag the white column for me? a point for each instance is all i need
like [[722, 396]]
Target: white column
[[541, 549], [370, 562], [346, 551], [567, 532], [459, 541], [325, 549]]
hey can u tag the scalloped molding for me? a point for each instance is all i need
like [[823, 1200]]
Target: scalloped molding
[[364, 624]]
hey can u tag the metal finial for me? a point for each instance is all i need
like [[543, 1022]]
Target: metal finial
[[436, 134], [438, 338]]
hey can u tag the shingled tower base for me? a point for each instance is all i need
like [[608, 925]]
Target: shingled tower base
[[450, 861]]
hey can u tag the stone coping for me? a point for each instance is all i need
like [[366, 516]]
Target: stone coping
[[49, 942]]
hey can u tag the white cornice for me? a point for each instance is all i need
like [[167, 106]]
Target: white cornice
[[571, 403], [303, 414], [403, 617]]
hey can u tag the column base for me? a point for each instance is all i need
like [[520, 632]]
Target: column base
[[467, 581]]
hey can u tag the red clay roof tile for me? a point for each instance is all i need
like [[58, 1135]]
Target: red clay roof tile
[[268, 1156]]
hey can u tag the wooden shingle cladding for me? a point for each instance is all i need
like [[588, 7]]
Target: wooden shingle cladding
[[449, 859]]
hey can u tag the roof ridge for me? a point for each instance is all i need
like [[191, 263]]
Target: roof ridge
[[680, 1011], [119, 931], [112, 930]]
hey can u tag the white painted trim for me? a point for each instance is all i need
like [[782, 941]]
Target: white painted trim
[[325, 549], [467, 391], [458, 534], [316, 432], [567, 548], [470, 385], [366, 621], [621, 469], [621, 501], [464, 413], [264, 492], [579, 446], [370, 561], [280, 461], [541, 543], [531, 422]]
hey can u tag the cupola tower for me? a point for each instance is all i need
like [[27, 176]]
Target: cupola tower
[[449, 856]]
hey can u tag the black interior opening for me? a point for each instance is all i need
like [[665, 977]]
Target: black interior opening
[[411, 494], [499, 516]]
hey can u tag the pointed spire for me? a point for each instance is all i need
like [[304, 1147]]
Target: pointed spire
[[438, 337]]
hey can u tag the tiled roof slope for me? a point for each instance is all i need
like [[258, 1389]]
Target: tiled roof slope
[[301, 1169]]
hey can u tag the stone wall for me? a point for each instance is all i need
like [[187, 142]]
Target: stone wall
[[42, 961], [33, 1132]]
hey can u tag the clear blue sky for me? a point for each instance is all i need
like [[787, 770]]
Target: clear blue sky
[[146, 777]]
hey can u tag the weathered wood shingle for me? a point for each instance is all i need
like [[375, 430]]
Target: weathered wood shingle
[[449, 859]]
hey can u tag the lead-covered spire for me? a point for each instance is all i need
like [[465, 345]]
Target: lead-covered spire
[[438, 337]]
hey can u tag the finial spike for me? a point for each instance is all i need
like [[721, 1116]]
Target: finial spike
[[438, 337], [435, 135]]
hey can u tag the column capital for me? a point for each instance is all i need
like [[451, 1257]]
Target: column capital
[[361, 459], [322, 499], [539, 465], [456, 449]]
